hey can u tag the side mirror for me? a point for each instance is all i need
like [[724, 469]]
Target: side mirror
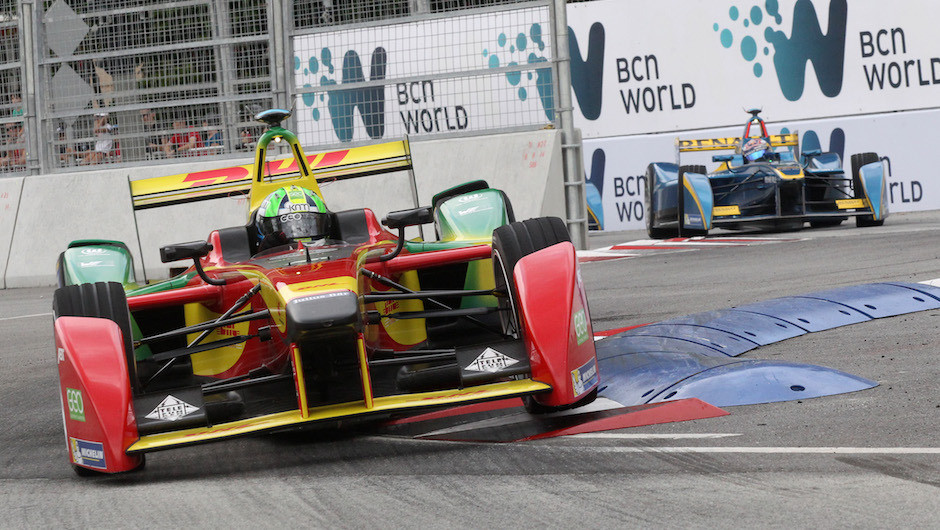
[[402, 218], [812, 152], [722, 158], [178, 251]]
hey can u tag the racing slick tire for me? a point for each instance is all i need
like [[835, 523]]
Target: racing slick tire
[[654, 232], [826, 223], [680, 204], [101, 300], [859, 160], [510, 244]]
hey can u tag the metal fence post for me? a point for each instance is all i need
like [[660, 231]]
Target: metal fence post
[[575, 204]]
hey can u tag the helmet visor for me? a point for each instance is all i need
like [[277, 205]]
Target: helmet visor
[[297, 225]]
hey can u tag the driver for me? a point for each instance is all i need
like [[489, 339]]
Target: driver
[[291, 214], [755, 149]]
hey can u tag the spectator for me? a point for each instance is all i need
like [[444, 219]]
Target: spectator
[[65, 151], [156, 144], [103, 141], [17, 103], [213, 135], [184, 140], [15, 153]]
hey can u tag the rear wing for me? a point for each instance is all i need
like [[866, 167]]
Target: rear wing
[[723, 144], [238, 180]]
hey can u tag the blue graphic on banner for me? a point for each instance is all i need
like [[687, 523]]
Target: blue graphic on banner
[[807, 43]]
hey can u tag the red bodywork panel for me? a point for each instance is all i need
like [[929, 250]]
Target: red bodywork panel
[[96, 395], [557, 324]]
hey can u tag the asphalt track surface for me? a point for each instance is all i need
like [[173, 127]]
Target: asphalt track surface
[[867, 459]]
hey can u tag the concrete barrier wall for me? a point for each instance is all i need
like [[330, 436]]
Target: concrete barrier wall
[[57, 209], [10, 190]]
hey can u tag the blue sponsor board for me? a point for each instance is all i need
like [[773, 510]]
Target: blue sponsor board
[[88, 454]]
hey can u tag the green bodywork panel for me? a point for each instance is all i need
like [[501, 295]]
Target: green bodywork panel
[[97, 260], [472, 216]]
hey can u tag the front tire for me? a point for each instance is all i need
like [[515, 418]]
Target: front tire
[[100, 300], [511, 243], [653, 231], [859, 160], [680, 203]]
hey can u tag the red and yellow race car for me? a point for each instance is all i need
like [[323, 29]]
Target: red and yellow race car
[[307, 316]]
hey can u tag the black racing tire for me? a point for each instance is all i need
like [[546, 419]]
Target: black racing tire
[[826, 223], [100, 300], [859, 160], [680, 204], [654, 232], [511, 243]]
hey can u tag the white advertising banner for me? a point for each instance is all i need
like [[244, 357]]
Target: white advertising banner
[[616, 167], [669, 65], [426, 77]]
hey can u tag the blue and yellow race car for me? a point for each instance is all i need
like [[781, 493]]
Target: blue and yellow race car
[[764, 183]]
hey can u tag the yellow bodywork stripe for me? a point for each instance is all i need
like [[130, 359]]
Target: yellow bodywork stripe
[[299, 380], [153, 442]]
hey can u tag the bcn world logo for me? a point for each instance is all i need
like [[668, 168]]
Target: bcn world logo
[[807, 43]]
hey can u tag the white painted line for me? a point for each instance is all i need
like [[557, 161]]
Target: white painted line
[[647, 436], [27, 316], [774, 450], [935, 283]]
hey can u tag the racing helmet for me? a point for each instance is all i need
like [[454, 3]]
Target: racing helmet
[[292, 213], [755, 149]]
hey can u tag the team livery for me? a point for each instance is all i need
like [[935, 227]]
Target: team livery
[[306, 315], [766, 183]]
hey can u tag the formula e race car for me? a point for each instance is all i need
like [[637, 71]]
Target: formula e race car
[[352, 322], [766, 183]]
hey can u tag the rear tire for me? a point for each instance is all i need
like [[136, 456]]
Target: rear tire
[[859, 160], [100, 300], [511, 243], [680, 204]]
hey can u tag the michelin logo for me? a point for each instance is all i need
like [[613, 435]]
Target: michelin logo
[[88, 454], [584, 377]]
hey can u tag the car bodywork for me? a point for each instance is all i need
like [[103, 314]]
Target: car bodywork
[[363, 324], [781, 190]]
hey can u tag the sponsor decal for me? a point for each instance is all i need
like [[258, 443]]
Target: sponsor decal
[[324, 296], [490, 361], [473, 209], [171, 409], [693, 219], [458, 394], [75, 403], [88, 454], [845, 204], [60, 355], [726, 210], [470, 198], [580, 327], [86, 264], [584, 377], [94, 251]]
